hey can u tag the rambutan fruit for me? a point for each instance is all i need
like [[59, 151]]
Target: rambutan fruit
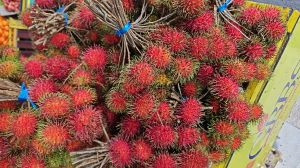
[[164, 161], [271, 13], [86, 124], [251, 16], [187, 136], [120, 154], [238, 111], [9, 69], [215, 104], [221, 142], [81, 78], [110, 117], [142, 73], [8, 163], [161, 136], [190, 89], [233, 32], [198, 47], [216, 156], [162, 114], [55, 105], [274, 30], [74, 51], [116, 101], [58, 67], [54, 135], [4, 148], [31, 161], [230, 49], [238, 2], [270, 51], [205, 73], [130, 127], [47, 4], [9, 53], [60, 40], [111, 39], [131, 88], [141, 150], [193, 159], [184, 68], [39, 148], [236, 143], [256, 112], [34, 68], [235, 70], [158, 56], [86, 16], [190, 8], [143, 105], [95, 58], [25, 17], [224, 128], [74, 145], [250, 71], [262, 71], [24, 125], [204, 139], [93, 36], [217, 47], [190, 111], [128, 5], [224, 88], [201, 23], [5, 121], [83, 96]]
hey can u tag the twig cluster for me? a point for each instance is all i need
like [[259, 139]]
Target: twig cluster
[[8, 90]]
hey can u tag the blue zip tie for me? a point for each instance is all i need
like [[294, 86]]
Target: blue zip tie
[[223, 6], [60, 10], [124, 30], [24, 96]]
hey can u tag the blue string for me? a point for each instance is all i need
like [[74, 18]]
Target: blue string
[[60, 10], [123, 30], [24, 96], [224, 6]]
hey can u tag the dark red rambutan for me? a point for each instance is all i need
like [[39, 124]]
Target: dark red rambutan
[[54, 135], [143, 105], [60, 40], [203, 22], [116, 101], [130, 127], [115, 57], [238, 111], [83, 96], [48, 4], [86, 16], [184, 68], [163, 113], [271, 13], [158, 56], [250, 71], [110, 117], [187, 136], [270, 51], [164, 161], [131, 88], [39, 148], [8, 105], [128, 5], [236, 70], [274, 29], [141, 150], [142, 73], [190, 7], [24, 125], [25, 17], [217, 47], [233, 32], [193, 159], [95, 57], [262, 71], [224, 87], [238, 2], [251, 16], [198, 47], [190, 111], [236, 143], [55, 105], [93, 36], [161, 136], [256, 111], [74, 145], [86, 124], [111, 39], [81, 78], [216, 156], [205, 73], [58, 67], [120, 154], [224, 128], [74, 51], [204, 139], [5, 121], [190, 89], [34, 68], [4, 148], [8, 162], [215, 104], [31, 161]]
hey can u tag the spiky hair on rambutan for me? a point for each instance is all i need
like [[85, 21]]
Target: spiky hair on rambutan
[[4, 148], [74, 145], [128, 5], [274, 30], [236, 143], [30, 160], [93, 36], [34, 68], [55, 105], [189, 8], [74, 51], [162, 114], [58, 67], [235, 69], [142, 73], [270, 51], [205, 73], [224, 88], [217, 47], [224, 128], [83, 96], [184, 68], [86, 16], [238, 111], [39, 148], [238, 2], [233, 32], [24, 125], [263, 71], [256, 112], [161, 136], [86, 124], [130, 127], [60, 40], [95, 58], [251, 16], [8, 162], [250, 71], [191, 89], [221, 142], [25, 17], [193, 159], [271, 13], [6, 119], [9, 68], [41, 87], [111, 39], [81, 78], [158, 56], [201, 23], [189, 111], [131, 88], [216, 156], [141, 150], [116, 101], [119, 152], [198, 47], [231, 49], [47, 4], [187, 136], [143, 105], [164, 160]]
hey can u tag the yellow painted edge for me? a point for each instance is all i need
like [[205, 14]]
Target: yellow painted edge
[[17, 24], [292, 21], [15, 38]]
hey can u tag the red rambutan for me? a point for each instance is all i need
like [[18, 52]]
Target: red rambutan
[[8, 163], [162, 136], [48, 4], [81, 78], [224, 88], [274, 30], [39, 148], [55, 105], [131, 88], [187, 136], [128, 5], [8, 105], [74, 51], [184, 68], [233, 32], [236, 143], [111, 39], [93, 36], [190, 89], [230, 49], [25, 17], [95, 58], [34, 68], [251, 16], [9, 69], [250, 71], [215, 104], [24, 125], [60, 40], [142, 73], [86, 124], [193, 159], [54, 135], [198, 47], [159, 56], [143, 105], [190, 111], [163, 113], [236, 70], [217, 156], [74, 145], [141, 150], [164, 161], [31, 161], [238, 2], [271, 13], [5, 121], [116, 101], [120, 154], [86, 16], [58, 67], [256, 111], [217, 47], [203, 22], [270, 51], [221, 143], [238, 111], [190, 7], [224, 128], [262, 71], [83, 96], [205, 73], [4, 148], [204, 139], [130, 127]]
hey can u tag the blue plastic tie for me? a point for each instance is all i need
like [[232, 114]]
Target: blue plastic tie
[[24, 96], [124, 30], [224, 6], [60, 10]]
